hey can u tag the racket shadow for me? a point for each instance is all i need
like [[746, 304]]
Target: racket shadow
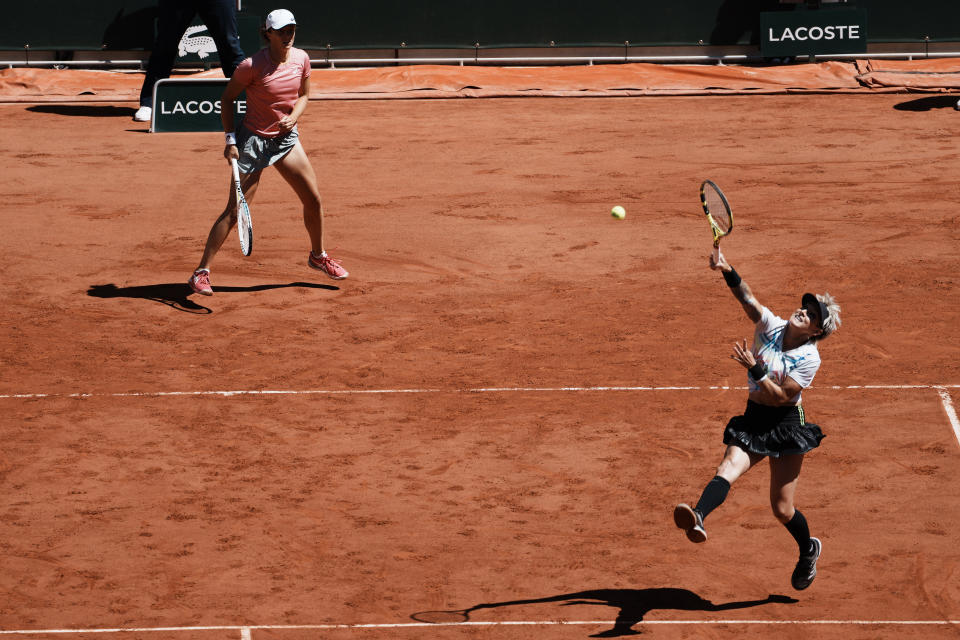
[[176, 295], [633, 605]]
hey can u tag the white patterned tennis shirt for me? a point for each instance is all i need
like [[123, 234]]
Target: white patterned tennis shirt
[[801, 363]]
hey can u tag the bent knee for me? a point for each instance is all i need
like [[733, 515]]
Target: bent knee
[[782, 510], [729, 471]]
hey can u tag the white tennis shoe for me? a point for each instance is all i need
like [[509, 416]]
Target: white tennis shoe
[[143, 114]]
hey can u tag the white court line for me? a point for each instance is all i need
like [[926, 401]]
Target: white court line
[[951, 413], [332, 392], [940, 388], [245, 630]]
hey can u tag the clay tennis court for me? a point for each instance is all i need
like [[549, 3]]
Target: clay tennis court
[[501, 406]]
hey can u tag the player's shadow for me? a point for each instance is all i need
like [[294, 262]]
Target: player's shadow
[[929, 103], [634, 604], [84, 110], [177, 295]]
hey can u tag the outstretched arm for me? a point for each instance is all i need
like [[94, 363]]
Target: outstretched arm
[[738, 287]]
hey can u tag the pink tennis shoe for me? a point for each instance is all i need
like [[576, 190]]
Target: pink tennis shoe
[[200, 282], [328, 265]]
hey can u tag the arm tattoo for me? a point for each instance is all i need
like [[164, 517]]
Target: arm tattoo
[[750, 305], [743, 293]]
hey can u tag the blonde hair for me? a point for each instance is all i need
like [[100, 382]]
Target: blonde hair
[[832, 322]]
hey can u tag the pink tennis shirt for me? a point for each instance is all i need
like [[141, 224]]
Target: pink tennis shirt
[[272, 89]]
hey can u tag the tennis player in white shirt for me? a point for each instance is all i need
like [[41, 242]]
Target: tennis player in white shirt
[[782, 362]]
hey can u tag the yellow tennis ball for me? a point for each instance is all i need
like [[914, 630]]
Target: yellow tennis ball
[[618, 212]]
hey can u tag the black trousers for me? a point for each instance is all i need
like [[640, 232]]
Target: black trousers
[[220, 17]]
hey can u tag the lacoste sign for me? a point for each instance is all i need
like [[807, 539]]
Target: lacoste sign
[[813, 32], [191, 104]]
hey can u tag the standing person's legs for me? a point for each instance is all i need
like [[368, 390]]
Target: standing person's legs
[[200, 280], [296, 169], [224, 224], [220, 16], [173, 19]]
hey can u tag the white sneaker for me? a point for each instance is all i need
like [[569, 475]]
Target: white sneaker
[[143, 114]]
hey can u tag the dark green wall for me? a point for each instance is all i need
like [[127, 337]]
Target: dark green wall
[[128, 24]]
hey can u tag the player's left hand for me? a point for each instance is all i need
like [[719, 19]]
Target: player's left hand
[[743, 355], [286, 124]]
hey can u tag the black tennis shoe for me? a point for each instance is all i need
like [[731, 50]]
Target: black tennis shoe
[[806, 569], [690, 521]]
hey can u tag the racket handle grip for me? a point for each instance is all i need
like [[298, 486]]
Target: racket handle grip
[[716, 253], [236, 170]]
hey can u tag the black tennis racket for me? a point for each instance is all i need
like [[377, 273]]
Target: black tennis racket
[[719, 215], [244, 221]]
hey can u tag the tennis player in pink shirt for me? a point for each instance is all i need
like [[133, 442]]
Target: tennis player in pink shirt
[[277, 82]]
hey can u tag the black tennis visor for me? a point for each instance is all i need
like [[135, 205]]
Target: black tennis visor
[[811, 301]]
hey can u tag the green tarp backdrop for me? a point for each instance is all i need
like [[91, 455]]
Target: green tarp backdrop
[[129, 24]]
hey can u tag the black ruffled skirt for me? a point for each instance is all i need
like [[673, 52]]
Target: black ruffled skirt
[[772, 431]]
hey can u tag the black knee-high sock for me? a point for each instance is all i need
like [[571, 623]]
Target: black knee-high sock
[[800, 531], [713, 496]]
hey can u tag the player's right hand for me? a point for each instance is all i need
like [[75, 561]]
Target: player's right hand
[[720, 263], [230, 152]]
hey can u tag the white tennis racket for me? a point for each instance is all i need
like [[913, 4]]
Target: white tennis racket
[[244, 221]]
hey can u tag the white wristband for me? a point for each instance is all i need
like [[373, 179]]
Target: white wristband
[[231, 138]]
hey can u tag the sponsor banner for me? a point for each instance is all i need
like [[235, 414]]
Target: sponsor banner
[[813, 32], [191, 104]]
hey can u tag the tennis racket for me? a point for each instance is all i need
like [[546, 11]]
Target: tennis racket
[[244, 222], [719, 214]]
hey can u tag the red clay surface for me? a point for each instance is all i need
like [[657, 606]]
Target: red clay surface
[[482, 254]]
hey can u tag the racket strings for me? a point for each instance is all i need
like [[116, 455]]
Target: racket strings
[[244, 227], [718, 210]]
